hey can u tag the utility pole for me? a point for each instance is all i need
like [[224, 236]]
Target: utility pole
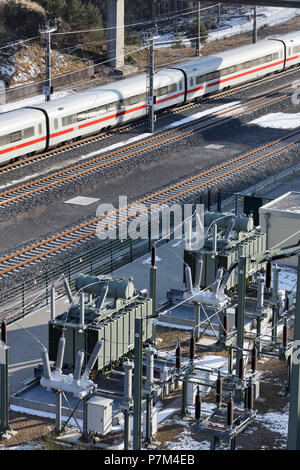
[[198, 42], [150, 98], [254, 38], [154, 19], [137, 383], [46, 32], [4, 405], [294, 416], [241, 313]]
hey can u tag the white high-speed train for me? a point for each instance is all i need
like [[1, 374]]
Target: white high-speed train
[[37, 128]]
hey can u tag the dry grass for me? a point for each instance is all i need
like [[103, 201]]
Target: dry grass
[[29, 64]]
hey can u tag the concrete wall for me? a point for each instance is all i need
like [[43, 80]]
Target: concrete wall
[[20, 92]]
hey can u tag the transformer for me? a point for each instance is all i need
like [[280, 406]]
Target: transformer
[[104, 307], [227, 235]]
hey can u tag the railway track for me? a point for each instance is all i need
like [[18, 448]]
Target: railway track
[[132, 151], [16, 262], [104, 135]]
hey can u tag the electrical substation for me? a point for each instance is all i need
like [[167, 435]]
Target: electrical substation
[[104, 367], [142, 341]]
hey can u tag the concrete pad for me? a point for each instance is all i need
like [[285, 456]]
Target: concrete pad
[[82, 200], [214, 146], [169, 262]]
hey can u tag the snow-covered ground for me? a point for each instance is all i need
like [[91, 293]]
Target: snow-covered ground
[[266, 16], [278, 120], [236, 23]]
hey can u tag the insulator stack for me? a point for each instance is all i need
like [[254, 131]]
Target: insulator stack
[[254, 359], [285, 334], [198, 405], [93, 359], [192, 347], [78, 365], [219, 389], [268, 274], [230, 412], [46, 364], [60, 353], [4, 332], [241, 368], [178, 355]]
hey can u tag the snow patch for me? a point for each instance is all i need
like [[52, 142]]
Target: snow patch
[[278, 121]]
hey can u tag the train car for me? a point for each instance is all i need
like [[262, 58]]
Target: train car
[[22, 132], [88, 112], [110, 105], [232, 68], [291, 43]]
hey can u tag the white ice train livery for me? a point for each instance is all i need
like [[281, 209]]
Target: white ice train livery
[[37, 128]]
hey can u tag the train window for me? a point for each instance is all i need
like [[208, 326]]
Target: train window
[[92, 113], [232, 69], [112, 106], [162, 91], [29, 132], [180, 85], [172, 88], [55, 124], [268, 58], [15, 136], [4, 140], [297, 49], [199, 79], [102, 109], [191, 81], [133, 100], [142, 97], [67, 120], [81, 116], [209, 76], [40, 129], [275, 56]]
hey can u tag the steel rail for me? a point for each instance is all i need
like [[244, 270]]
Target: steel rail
[[179, 193], [141, 145], [21, 162]]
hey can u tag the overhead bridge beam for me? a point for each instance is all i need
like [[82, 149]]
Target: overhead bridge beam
[[266, 3]]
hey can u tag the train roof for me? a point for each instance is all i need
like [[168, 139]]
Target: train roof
[[17, 118], [110, 92], [229, 57], [294, 36]]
